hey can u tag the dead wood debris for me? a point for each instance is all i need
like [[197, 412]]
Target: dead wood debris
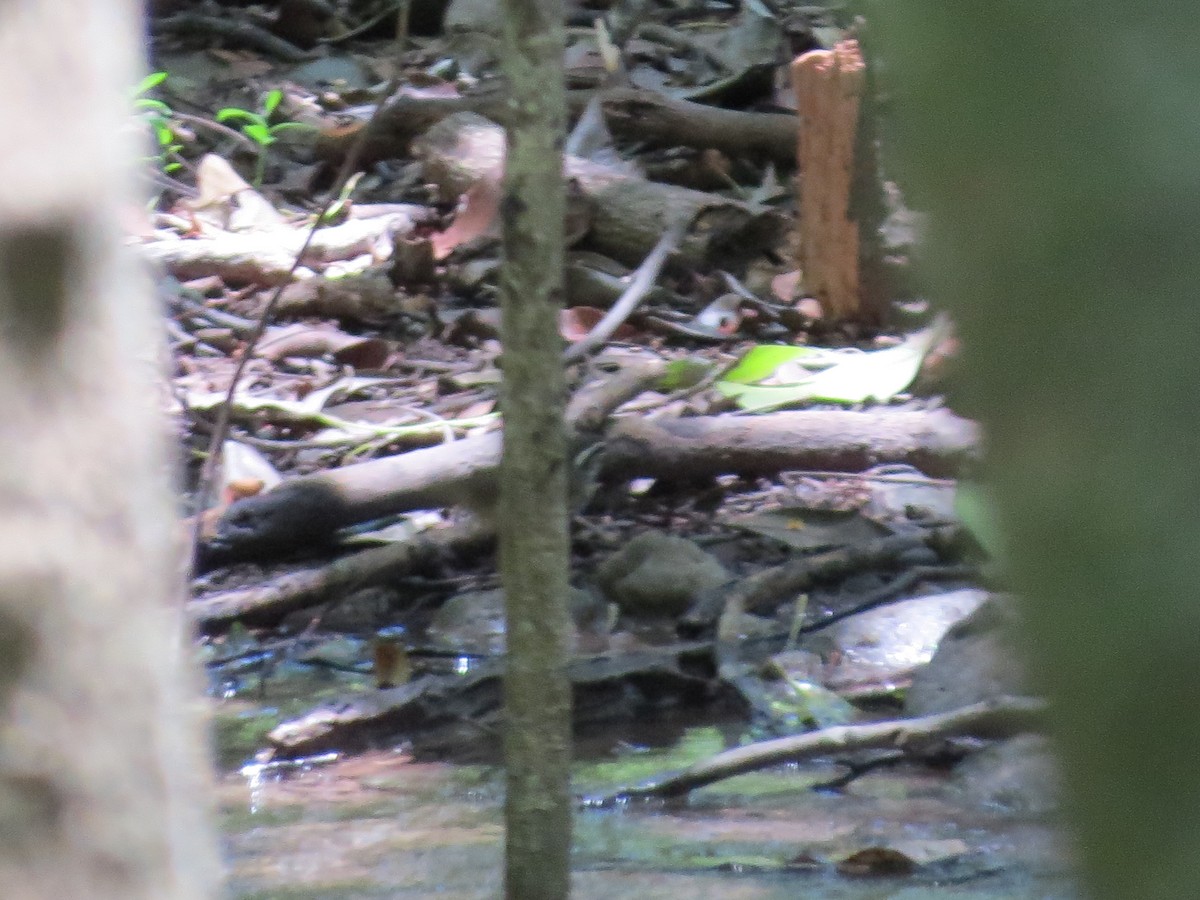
[[1002, 717], [630, 213], [632, 113]]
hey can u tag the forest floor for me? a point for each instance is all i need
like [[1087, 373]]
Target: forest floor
[[768, 535]]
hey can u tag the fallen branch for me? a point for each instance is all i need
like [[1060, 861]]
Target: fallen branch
[[1002, 717], [937, 442], [764, 590], [305, 513], [266, 604], [668, 122], [630, 113]]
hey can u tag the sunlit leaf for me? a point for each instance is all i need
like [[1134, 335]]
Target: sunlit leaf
[[149, 104], [233, 114], [851, 378], [259, 133], [761, 362], [151, 81], [271, 102]]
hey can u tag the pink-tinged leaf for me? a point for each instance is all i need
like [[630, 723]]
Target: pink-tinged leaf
[[477, 409], [786, 285], [577, 322], [476, 217], [810, 308]]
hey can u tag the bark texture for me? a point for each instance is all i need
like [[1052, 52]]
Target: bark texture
[[101, 763], [534, 540]]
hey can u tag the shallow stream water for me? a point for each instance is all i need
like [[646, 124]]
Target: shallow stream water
[[383, 826]]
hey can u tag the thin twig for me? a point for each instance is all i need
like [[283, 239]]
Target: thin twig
[[639, 285]]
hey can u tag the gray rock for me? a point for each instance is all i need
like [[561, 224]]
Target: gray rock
[[473, 622], [1018, 775], [658, 574], [976, 660]]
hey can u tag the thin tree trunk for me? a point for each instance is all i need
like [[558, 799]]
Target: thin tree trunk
[[102, 770], [534, 465]]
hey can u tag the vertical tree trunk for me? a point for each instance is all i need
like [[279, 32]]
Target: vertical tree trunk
[[101, 765], [534, 468]]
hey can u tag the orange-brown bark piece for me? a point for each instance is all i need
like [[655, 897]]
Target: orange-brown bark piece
[[833, 159]]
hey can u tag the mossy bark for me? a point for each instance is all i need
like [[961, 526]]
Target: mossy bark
[[534, 538]]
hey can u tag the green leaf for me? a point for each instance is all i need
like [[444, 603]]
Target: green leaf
[[287, 126], [164, 134], [271, 102], [759, 398], [761, 362], [149, 104], [153, 80], [879, 375], [233, 114], [683, 373], [852, 377], [258, 133]]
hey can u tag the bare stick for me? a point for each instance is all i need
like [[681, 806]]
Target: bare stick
[[1000, 717], [639, 286]]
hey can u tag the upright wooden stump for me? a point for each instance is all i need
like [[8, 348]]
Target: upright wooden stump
[[838, 186]]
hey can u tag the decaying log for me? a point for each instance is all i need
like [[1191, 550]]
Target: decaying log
[[668, 122], [630, 113], [936, 442], [630, 213], [839, 190], [305, 513]]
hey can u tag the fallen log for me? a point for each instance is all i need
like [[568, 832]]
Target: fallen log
[[266, 604], [305, 513], [936, 442], [630, 113], [668, 122], [630, 213]]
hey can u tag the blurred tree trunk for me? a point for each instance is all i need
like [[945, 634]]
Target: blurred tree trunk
[[534, 540], [102, 769], [1056, 147]]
